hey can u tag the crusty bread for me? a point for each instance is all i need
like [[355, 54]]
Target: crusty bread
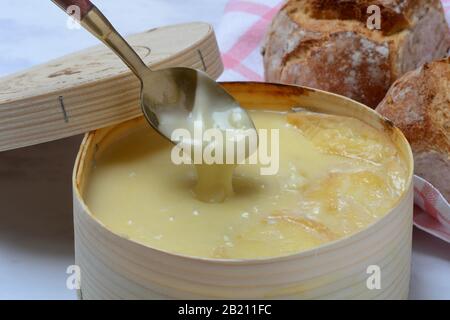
[[326, 44], [419, 104]]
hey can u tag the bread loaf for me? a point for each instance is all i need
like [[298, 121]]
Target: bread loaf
[[326, 44], [419, 104]]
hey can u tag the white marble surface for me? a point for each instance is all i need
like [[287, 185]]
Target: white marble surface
[[36, 238]]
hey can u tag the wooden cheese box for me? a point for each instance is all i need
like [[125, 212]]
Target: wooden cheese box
[[93, 92]]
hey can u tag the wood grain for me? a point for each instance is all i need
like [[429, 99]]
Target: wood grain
[[93, 88]]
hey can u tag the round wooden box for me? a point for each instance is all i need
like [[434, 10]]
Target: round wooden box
[[113, 267]]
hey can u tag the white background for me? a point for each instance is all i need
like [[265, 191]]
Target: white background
[[36, 237]]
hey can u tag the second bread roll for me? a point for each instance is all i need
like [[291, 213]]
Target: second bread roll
[[419, 104]]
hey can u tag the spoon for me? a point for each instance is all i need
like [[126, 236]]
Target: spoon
[[170, 98]]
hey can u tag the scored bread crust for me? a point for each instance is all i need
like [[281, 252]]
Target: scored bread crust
[[419, 104], [326, 44]]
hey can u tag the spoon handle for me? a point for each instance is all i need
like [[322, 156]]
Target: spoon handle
[[97, 24]]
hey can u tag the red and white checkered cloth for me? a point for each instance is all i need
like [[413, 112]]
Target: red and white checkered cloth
[[240, 34]]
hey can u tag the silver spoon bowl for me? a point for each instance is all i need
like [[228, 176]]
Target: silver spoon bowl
[[178, 94]]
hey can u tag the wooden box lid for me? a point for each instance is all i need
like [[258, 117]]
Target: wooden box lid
[[93, 88]]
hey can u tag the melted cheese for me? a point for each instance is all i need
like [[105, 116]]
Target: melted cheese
[[337, 175]]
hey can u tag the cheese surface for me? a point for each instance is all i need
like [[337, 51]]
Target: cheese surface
[[336, 176]]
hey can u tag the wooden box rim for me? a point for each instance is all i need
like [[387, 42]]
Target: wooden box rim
[[288, 92]]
